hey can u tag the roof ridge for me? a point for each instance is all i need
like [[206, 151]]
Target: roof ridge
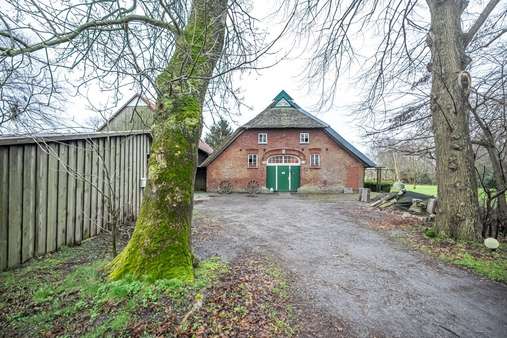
[[280, 116], [283, 95], [138, 96], [310, 115]]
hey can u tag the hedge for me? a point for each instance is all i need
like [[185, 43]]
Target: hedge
[[385, 186]]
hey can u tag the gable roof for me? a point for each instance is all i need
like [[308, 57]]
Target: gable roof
[[205, 147], [283, 112], [132, 115], [279, 115], [349, 147], [136, 113]]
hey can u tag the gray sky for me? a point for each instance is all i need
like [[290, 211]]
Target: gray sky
[[260, 87]]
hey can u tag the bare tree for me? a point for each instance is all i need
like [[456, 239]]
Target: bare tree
[[410, 168], [179, 52], [25, 93], [417, 69], [489, 127]]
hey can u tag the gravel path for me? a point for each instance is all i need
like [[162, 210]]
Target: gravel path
[[351, 272]]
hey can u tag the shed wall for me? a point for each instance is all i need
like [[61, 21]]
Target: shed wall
[[60, 192]]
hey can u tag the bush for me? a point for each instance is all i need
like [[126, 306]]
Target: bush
[[385, 186], [430, 232], [489, 182]]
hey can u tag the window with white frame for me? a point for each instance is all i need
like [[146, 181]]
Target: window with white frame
[[315, 160], [252, 160], [304, 138], [262, 138], [283, 159]]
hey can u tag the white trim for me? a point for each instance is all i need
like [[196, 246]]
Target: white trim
[[256, 160], [301, 141], [283, 103], [312, 163], [289, 179], [276, 178], [259, 138], [284, 163]]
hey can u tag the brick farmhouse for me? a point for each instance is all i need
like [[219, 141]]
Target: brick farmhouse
[[285, 148]]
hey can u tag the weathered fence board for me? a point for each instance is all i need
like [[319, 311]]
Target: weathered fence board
[[100, 184], [29, 188], [93, 188], [15, 204], [80, 166], [4, 205], [52, 198], [41, 200], [61, 224], [71, 195], [87, 196], [62, 189]]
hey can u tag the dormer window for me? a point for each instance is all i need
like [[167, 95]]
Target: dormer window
[[304, 138], [262, 138]]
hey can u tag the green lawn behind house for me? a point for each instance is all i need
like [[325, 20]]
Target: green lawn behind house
[[423, 189], [473, 256], [429, 189]]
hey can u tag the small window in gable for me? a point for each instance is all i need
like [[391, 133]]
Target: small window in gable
[[283, 103], [262, 138], [252, 160], [304, 138], [315, 160]]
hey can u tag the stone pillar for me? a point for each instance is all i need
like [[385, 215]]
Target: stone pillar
[[364, 195]]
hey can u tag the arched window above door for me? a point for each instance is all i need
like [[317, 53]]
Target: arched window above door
[[283, 159]]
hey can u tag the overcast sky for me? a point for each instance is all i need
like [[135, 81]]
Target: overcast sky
[[260, 87]]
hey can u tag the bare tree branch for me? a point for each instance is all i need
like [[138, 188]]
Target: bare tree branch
[[480, 21], [93, 25]]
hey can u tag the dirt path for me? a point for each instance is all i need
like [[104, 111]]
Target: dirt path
[[351, 272]]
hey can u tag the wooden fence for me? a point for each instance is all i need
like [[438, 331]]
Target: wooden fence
[[60, 190]]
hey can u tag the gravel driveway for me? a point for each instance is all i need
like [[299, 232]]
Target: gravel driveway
[[353, 273]]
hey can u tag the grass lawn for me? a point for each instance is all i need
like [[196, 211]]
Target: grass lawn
[[473, 256], [68, 294], [432, 190], [423, 189], [417, 234]]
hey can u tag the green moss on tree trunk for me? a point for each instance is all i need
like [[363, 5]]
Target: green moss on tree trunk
[[160, 246]]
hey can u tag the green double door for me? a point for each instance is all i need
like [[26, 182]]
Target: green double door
[[282, 178]]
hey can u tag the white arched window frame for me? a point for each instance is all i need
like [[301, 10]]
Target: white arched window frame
[[283, 159]]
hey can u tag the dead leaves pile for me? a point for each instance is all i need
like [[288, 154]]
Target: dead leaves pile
[[380, 219], [249, 301]]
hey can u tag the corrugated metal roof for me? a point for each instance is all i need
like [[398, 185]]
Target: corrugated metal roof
[[41, 138]]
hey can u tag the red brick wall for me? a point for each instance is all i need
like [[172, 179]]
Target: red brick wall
[[338, 167]]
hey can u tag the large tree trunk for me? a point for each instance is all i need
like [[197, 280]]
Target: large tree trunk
[[160, 245], [458, 215]]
